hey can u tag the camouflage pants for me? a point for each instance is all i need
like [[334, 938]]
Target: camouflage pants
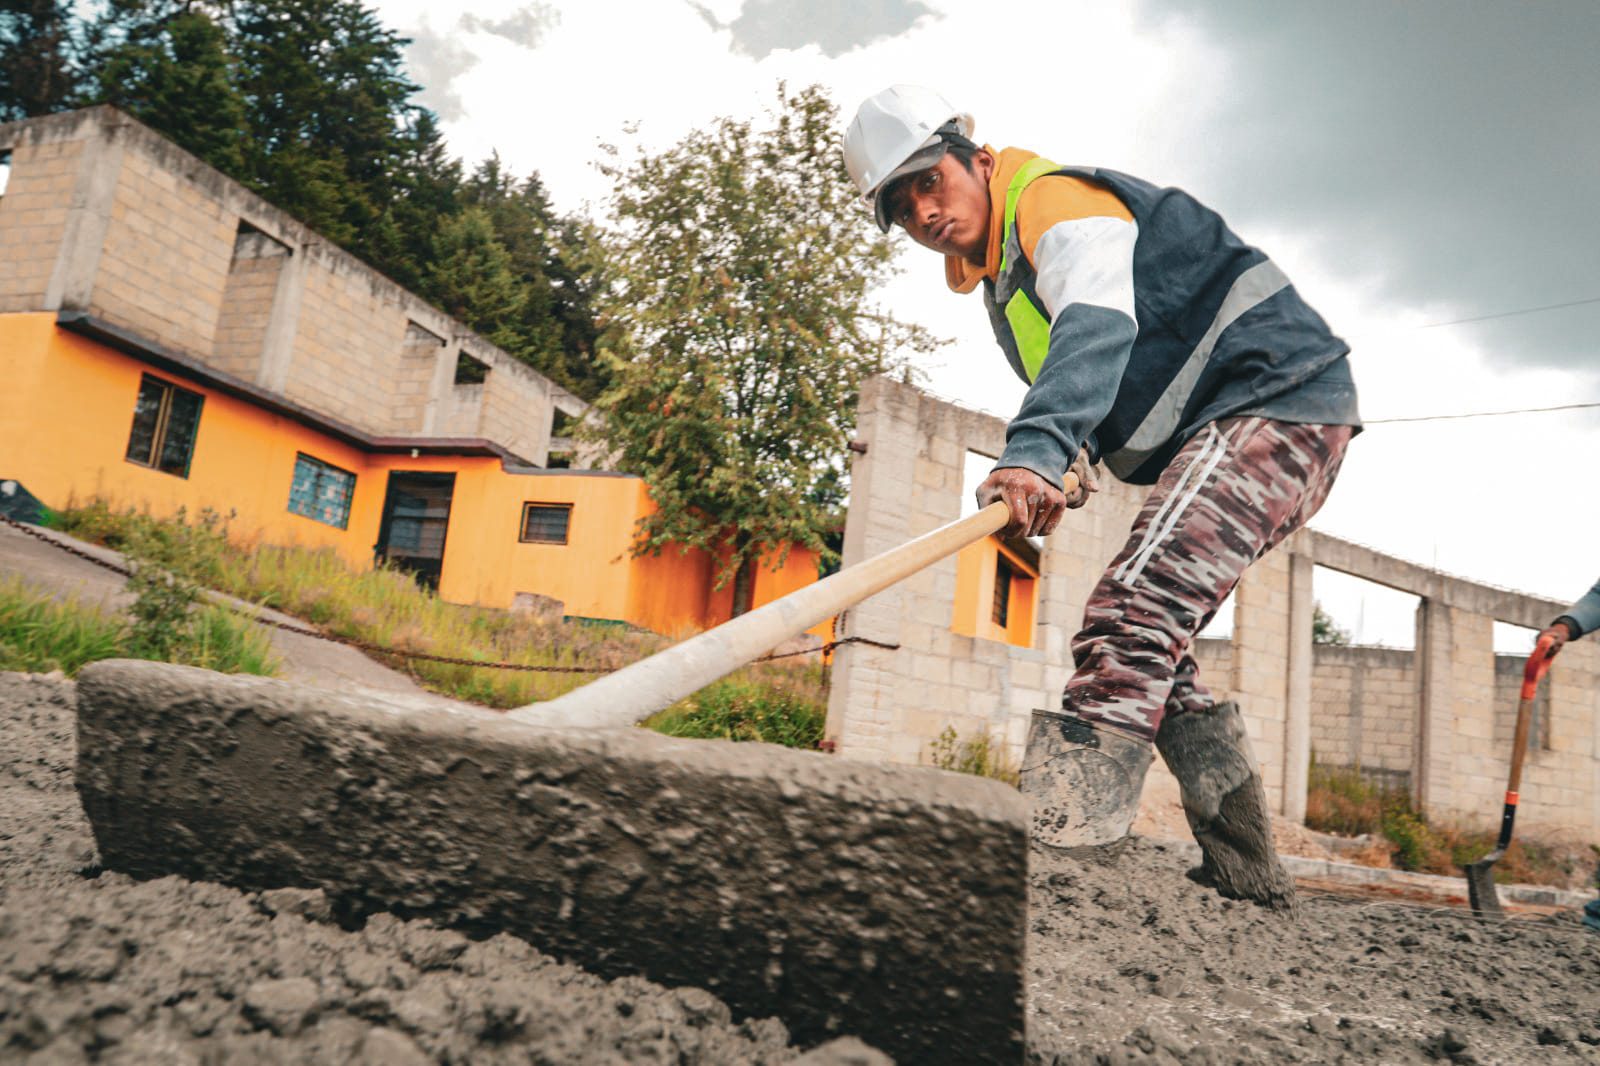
[[1231, 494]]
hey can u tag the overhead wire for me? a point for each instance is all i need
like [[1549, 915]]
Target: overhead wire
[[1482, 414], [1509, 314]]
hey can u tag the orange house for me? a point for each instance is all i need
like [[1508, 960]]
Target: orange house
[[171, 340]]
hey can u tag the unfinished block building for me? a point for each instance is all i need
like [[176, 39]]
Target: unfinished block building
[[171, 340], [1438, 718]]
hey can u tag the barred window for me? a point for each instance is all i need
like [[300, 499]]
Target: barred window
[[321, 492], [165, 421], [545, 523], [1002, 591]]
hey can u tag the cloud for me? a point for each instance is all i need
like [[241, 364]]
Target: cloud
[[526, 26], [1445, 150], [834, 26], [437, 59]]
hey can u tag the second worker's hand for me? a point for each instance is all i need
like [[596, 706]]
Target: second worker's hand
[[1036, 505], [1559, 633]]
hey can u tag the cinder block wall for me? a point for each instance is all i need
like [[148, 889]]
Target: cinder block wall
[[1364, 707], [33, 217], [104, 216], [1442, 712]]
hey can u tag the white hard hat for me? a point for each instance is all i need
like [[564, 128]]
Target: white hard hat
[[896, 132]]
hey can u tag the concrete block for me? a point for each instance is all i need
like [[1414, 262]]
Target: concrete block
[[775, 878]]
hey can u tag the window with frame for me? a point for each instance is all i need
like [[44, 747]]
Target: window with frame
[[1002, 591], [165, 421], [545, 523], [321, 492]]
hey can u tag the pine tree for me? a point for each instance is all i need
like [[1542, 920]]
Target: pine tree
[[171, 71], [471, 278], [37, 72], [329, 105], [556, 328], [742, 331]]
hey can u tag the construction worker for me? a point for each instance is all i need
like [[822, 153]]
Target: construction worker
[[1582, 617], [1155, 341]]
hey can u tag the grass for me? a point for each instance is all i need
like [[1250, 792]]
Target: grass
[[778, 705], [1339, 800], [39, 634], [979, 755], [382, 606]]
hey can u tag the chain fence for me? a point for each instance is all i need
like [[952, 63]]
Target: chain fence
[[401, 653]]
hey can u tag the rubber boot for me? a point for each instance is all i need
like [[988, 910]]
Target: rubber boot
[[1083, 780], [1208, 752]]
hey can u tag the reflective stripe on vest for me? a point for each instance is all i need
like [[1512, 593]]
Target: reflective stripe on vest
[[1030, 326]]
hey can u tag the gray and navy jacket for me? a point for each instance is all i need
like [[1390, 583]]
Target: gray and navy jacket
[[1136, 317], [1584, 616]]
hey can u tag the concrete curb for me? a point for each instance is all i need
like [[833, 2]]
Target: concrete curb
[[1434, 884], [887, 903], [1437, 884]]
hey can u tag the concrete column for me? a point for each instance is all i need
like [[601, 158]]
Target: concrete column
[[1259, 679], [88, 218], [864, 698], [436, 412], [1297, 724], [1431, 772], [277, 344]]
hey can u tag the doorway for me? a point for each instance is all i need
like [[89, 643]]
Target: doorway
[[416, 515]]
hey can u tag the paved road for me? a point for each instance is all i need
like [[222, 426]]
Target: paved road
[[303, 659]]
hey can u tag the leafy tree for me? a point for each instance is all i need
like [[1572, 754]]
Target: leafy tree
[[741, 330], [1324, 630], [37, 71]]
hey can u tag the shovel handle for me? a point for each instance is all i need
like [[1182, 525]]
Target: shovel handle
[[1533, 672], [635, 692]]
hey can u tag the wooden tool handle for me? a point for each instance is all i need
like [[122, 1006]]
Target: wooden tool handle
[[1537, 666], [635, 692]]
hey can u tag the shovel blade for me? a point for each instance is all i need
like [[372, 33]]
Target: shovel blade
[[1481, 892]]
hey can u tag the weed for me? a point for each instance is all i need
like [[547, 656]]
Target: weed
[[39, 635], [979, 755], [386, 607], [217, 639], [1339, 800], [746, 708]]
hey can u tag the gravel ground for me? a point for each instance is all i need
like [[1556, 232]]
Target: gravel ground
[[1129, 963], [97, 967]]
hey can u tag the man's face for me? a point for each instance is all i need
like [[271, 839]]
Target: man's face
[[946, 207]]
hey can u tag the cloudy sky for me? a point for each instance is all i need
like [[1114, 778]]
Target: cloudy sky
[[1425, 170]]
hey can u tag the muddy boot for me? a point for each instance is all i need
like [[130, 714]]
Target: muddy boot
[[1209, 753], [1082, 780]]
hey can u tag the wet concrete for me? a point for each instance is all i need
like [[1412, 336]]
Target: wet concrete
[[96, 966], [1128, 962], [887, 904]]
